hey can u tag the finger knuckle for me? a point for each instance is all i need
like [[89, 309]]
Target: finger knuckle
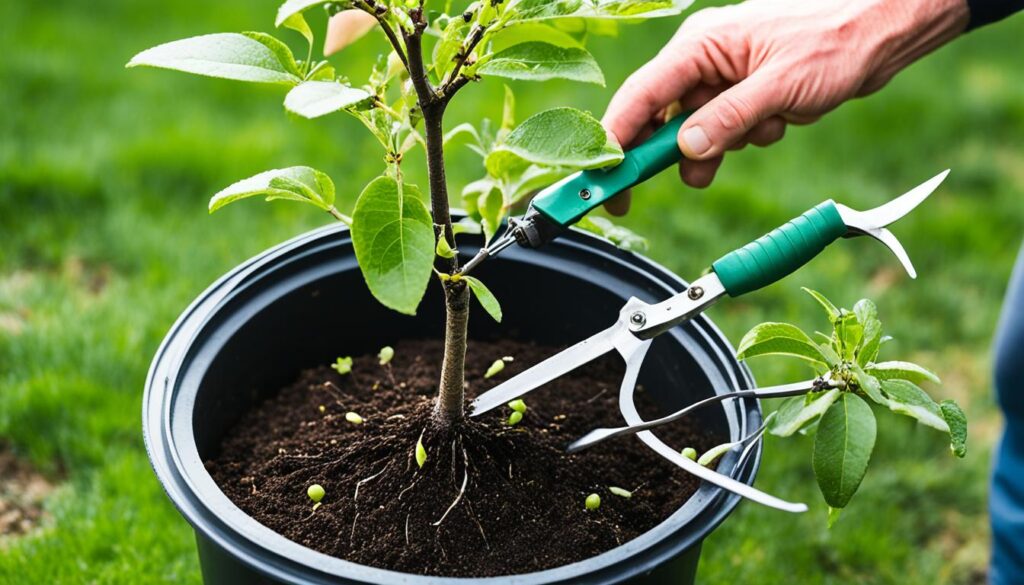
[[735, 112]]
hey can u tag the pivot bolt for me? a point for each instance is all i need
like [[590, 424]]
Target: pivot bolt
[[695, 292], [584, 194], [638, 319]]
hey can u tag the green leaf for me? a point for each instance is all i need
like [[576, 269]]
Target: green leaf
[[448, 46], [527, 10], [295, 7], [901, 371], [312, 99], [842, 448], [293, 183], [833, 312], [443, 249], [957, 422], [466, 225], [871, 339], [907, 399], [779, 339], [487, 299], [539, 61], [508, 111], [564, 137], [869, 385], [532, 31], [622, 237], [393, 237], [491, 206], [421, 452], [796, 412], [298, 23], [255, 57], [849, 331]]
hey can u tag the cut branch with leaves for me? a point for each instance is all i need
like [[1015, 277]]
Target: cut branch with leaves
[[399, 238], [841, 418]]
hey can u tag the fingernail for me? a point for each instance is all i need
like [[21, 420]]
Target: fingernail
[[696, 140]]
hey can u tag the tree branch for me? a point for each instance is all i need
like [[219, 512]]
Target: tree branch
[[379, 12], [474, 38]]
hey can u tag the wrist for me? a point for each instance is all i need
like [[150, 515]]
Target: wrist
[[911, 29]]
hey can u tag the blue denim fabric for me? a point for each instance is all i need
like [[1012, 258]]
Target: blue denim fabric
[[1006, 505]]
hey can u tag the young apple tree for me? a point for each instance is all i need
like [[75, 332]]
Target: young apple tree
[[402, 236]]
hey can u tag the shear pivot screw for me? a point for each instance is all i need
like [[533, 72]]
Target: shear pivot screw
[[638, 319], [695, 292], [584, 194]]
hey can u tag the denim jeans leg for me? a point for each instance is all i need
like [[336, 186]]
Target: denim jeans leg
[[1006, 505]]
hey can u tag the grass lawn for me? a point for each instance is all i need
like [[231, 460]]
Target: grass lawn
[[104, 239]]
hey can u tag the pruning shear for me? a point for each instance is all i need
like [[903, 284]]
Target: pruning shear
[[564, 203], [754, 266]]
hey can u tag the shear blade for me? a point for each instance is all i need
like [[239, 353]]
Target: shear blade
[[557, 365]]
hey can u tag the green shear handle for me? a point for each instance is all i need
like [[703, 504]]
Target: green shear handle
[[568, 201]]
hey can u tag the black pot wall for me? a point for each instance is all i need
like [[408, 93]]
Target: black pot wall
[[295, 305]]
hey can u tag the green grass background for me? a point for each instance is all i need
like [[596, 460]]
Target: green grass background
[[104, 238]]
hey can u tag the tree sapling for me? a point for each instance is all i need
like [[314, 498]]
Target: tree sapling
[[400, 235]]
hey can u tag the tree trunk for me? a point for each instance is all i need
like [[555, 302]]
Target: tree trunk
[[451, 393]]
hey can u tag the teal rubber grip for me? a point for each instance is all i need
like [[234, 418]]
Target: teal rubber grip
[[781, 251], [570, 199]]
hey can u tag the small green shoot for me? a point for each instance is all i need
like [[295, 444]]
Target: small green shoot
[[496, 367], [592, 502], [712, 454], [421, 452], [385, 354], [316, 492], [690, 453], [841, 417], [518, 405], [342, 365], [622, 493], [515, 418], [353, 418]]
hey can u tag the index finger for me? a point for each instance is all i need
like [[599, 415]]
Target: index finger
[[659, 83]]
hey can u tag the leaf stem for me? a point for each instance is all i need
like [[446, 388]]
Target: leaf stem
[[339, 215]]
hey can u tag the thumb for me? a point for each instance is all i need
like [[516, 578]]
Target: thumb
[[726, 119]]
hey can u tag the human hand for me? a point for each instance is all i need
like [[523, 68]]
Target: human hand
[[750, 69]]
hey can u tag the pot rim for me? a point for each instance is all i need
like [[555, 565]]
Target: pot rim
[[174, 456]]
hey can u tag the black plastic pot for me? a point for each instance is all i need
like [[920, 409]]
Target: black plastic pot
[[294, 305]]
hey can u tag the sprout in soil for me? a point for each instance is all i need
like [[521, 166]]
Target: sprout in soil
[[518, 405], [592, 502], [622, 493], [689, 453], [353, 418], [342, 365], [385, 355], [316, 492], [495, 368], [515, 418]]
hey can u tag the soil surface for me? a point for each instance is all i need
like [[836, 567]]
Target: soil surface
[[491, 499], [22, 493]]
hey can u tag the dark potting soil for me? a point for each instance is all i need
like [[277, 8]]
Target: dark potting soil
[[491, 499]]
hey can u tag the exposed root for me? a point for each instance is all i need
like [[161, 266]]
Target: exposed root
[[412, 485], [472, 514], [462, 490], [596, 396], [352, 534], [407, 530], [355, 496]]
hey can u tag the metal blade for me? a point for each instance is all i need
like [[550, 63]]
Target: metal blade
[[562, 362], [888, 213], [603, 434], [634, 359]]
